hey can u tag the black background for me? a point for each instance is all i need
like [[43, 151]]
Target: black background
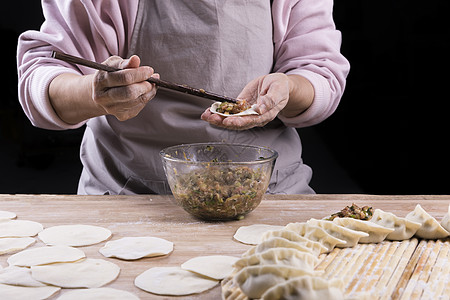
[[388, 136]]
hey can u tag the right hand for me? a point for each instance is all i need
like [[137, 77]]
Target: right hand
[[123, 93]]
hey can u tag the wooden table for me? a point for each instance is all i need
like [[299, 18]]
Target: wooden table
[[151, 215]]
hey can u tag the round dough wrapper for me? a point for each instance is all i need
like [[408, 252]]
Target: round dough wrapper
[[19, 228], [18, 276], [252, 234], [173, 281], [214, 266], [130, 248], [45, 255], [7, 215], [250, 111], [9, 245], [88, 273], [74, 235], [12, 292], [98, 293]]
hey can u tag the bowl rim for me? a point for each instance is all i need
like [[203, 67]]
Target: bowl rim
[[163, 154]]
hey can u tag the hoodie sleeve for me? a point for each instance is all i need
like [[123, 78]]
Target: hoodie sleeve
[[308, 44], [94, 30]]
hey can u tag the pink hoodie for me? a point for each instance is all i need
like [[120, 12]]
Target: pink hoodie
[[305, 39]]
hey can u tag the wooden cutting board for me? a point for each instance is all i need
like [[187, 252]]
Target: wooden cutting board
[[150, 215], [409, 269]]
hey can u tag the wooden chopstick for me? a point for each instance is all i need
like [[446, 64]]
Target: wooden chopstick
[[162, 83]]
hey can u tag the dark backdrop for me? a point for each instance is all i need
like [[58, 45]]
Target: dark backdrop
[[388, 136]]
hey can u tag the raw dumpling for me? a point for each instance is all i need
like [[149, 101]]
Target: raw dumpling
[[446, 220], [255, 280], [306, 287], [377, 233], [403, 229], [294, 237], [250, 111], [430, 229], [277, 242], [316, 234], [279, 256], [350, 236]]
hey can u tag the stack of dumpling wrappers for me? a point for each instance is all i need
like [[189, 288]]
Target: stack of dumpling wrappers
[[284, 264]]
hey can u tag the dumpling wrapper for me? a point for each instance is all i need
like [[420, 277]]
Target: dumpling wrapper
[[9, 245], [45, 255], [98, 293], [74, 235], [173, 281], [213, 266], [12, 292], [250, 111], [7, 215], [19, 228], [14, 275], [253, 234], [88, 273], [131, 248]]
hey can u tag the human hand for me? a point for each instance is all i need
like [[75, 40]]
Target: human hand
[[269, 92], [123, 93]]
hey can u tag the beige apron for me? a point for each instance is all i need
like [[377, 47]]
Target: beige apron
[[215, 45]]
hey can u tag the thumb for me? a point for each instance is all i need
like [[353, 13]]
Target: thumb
[[132, 62]]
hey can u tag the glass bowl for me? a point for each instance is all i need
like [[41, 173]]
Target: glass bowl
[[218, 181]]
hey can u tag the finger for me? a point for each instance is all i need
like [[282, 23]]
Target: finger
[[130, 63], [129, 109], [126, 77], [113, 61], [128, 92]]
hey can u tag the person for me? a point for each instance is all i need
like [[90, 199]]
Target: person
[[283, 55]]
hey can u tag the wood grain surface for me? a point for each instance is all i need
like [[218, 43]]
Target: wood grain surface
[[152, 215]]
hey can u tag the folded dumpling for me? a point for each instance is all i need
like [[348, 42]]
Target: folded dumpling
[[403, 229], [255, 280], [377, 233], [294, 237], [446, 220], [306, 287], [315, 233], [277, 242], [349, 235], [280, 256], [430, 227]]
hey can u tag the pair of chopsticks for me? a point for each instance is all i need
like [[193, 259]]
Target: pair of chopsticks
[[162, 83]]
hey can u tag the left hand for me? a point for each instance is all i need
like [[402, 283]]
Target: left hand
[[270, 93]]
